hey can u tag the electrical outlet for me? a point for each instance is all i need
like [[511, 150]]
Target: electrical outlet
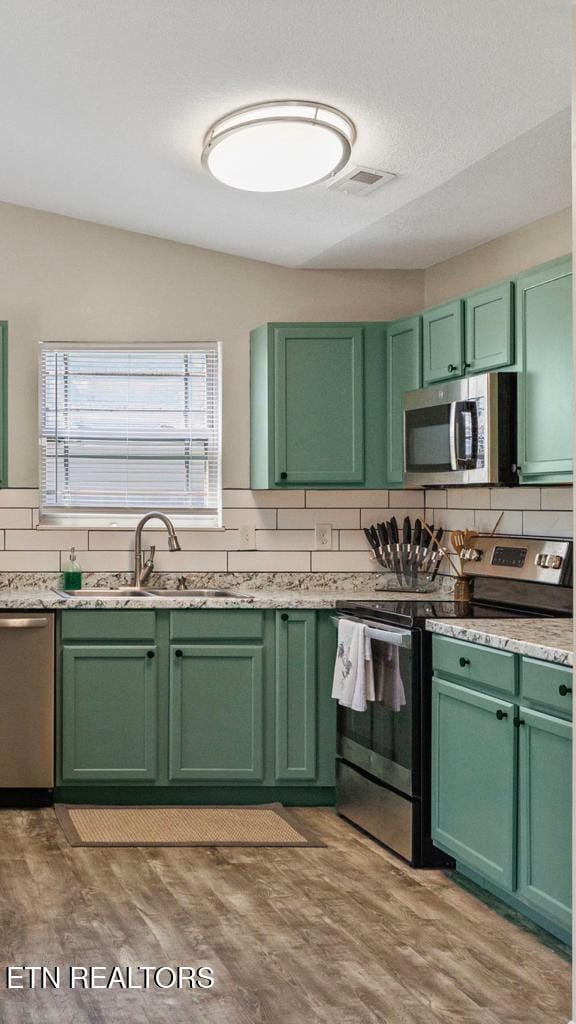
[[247, 538], [323, 536]]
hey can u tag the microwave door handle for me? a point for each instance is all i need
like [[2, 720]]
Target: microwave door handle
[[469, 432], [453, 436]]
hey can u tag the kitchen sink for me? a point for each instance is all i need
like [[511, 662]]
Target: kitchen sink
[[112, 592]]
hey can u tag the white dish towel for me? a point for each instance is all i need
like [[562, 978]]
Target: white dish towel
[[353, 682], [388, 684]]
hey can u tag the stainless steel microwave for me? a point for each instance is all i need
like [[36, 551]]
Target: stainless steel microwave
[[461, 432]]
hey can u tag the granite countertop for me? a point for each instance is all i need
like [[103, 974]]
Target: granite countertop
[[547, 639], [244, 598]]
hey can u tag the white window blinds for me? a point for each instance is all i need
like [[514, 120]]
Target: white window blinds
[[126, 429]]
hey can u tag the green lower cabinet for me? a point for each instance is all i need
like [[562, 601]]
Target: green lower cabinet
[[109, 713], [216, 726], [473, 780], [545, 815], [296, 696]]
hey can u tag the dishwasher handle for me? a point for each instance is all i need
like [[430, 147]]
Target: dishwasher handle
[[28, 623]]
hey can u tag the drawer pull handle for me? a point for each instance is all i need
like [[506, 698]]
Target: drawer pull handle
[[149, 654], [464, 662], [178, 654], [564, 690], [501, 714], [518, 722]]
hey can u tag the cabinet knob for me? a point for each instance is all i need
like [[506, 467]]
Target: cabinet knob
[[501, 714], [149, 654], [178, 654], [464, 662], [466, 366], [564, 690], [284, 617], [518, 722], [283, 476], [451, 367]]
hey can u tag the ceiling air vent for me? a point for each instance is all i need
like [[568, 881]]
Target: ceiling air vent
[[362, 180]]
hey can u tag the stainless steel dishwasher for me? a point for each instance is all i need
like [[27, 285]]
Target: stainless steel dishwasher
[[26, 700]]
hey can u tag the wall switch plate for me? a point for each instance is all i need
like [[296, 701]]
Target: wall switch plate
[[247, 538], [323, 536]]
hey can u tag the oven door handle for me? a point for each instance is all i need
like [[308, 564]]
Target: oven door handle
[[398, 639]]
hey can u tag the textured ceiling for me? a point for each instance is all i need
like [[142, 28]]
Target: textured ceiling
[[105, 104]]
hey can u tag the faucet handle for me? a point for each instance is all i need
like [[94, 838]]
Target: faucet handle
[[151, 553]]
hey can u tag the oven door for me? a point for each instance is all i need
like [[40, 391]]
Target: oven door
[[380, 739]]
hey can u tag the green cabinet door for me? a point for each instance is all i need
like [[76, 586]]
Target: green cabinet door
[[216, 712], [545, 815], [296, 695], [319, 405], [109, 712], [490, 328], [545, 402], [403, 373], [4, 401], [473, 780], [443, 342]]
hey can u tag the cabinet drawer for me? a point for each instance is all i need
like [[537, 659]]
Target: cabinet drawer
[[474, 665], [108, 625], [546, 684], [212, 624]]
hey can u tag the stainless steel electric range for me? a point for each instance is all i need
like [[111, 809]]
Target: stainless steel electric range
[[383, 756]]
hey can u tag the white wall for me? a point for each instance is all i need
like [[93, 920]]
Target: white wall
[[69, 280]]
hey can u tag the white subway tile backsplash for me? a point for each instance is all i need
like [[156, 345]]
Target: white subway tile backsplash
[[370, 515], [29, 561], [353, 540], [269, 561], [15, 518], [436, 498], [347, 499], [284, 522], [469, 497], [263, 499], [46, 540], [487, 520], [307, 518], [557, 498], [15, 497], [288, 540], [515, 497], [343, 561], [547, 524], [261, 518]]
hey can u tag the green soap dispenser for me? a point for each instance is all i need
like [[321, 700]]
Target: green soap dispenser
[[72, 575]]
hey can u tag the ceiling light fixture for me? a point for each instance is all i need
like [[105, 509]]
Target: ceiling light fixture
[[277, 146]]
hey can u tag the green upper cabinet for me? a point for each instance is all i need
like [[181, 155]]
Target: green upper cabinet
[[109, 713], [490, 328], [545, 393], [403, 373], [216, 726], [317, 416], [443, 342], [473, 780], [545, 815]]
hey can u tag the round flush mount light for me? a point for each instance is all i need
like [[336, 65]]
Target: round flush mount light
[[277, 146]]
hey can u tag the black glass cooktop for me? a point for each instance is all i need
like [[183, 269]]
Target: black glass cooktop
[[411, 613]]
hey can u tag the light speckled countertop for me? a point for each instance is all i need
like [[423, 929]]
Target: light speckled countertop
[[244, 598], [547, 639]]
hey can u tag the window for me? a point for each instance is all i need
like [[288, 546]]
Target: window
[[125, 429]]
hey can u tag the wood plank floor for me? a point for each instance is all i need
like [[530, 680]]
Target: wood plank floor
[[342, 935]]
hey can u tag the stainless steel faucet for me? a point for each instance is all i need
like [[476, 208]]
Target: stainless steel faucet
[[143, 567]]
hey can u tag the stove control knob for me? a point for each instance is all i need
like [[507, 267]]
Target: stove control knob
[[471, 554], [554, 562], [541, 559]]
